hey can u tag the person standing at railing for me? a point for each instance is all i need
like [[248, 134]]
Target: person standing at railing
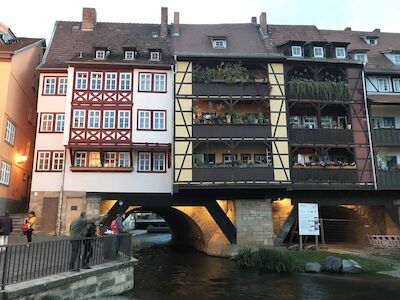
[[6, 227], [87, 245], [30, 223]]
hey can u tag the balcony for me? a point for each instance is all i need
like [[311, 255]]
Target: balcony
[[231, 130], [388, 180], [233, 174], [324, 175], [305, 136], [308, 89], [386, 136], [235, 89]]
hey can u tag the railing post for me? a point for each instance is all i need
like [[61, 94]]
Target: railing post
[[3, 278]]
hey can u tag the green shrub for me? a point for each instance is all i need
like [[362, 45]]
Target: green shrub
[[323, 90]]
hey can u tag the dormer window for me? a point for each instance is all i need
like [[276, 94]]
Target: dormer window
[[396, 59], [372, 41], [100, 54], [318, 52], [130, 55], [219, 43], [361, 57], [297, 51], [155, 55], [340, 52]]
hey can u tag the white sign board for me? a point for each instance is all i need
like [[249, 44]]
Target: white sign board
[[308, 219]]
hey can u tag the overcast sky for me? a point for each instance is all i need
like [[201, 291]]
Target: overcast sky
[[35, 18]]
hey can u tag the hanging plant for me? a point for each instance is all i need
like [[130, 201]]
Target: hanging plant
[[232, 73]]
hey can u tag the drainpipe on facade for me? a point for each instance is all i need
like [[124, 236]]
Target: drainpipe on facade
[[371, 148], [60, 200]]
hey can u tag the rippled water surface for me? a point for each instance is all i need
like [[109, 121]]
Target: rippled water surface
[[165, 272]]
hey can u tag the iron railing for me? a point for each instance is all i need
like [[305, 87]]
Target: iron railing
[[23, 262]]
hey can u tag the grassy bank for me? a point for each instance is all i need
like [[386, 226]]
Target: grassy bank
[[275, 260]]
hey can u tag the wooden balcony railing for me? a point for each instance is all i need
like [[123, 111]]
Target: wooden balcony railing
[[324, 175], [233, 174], [305, 136], [231, 130], [389, 180], [386, 136], [224, 89]]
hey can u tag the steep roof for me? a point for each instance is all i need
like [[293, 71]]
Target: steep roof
[[17, 44], [243, 40], [68, 42]]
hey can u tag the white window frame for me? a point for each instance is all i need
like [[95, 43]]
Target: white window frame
[[124, 160], [396, 85], [125, 81], [295, 121], [94, 117], [383, 84], [372, 41], [43, 159], [101, 54], [144, 115], [46, 122], [109, 119], [10, 132], [144, 157], [5, 173], [96, 81], [310, 122], [94, 159], [228, 158], [158, 115], [110, 159], [326, 120], [82, 158], [79, 115], [161, 80], [294, 52], [111, 81], [318, 55], [62, 85], [130, 55], [357, 57], [59, 123], [157, 158], [219, 44], [81, 80], [155, 55], [57, 160], [340, 55], [396, 59], [124, 116], [145, 82], [50, 85]]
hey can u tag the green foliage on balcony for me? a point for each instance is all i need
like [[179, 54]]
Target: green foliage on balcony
[[228, 72], [321, 90]]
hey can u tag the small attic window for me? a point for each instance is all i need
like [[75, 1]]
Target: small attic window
[[372, 41], [130, 55], [219, 43], [100, 54], [396, 59], [154, 35], [155, 55]]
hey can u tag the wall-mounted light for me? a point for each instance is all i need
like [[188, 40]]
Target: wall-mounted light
[[23, 158]]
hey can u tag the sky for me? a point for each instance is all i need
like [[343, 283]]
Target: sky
[[36, 18]]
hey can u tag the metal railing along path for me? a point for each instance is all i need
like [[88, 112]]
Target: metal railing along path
[[25, 262]]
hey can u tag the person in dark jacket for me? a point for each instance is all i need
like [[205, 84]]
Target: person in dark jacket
[[6, 227], [88, 245]]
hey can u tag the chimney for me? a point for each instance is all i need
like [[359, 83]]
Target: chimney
[[88, 19], [164, 22], [347, 29], [377, 30], [263, 24], [253, 20], [176, 23]]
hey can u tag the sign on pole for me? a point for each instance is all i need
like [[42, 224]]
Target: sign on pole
[[308, 219]]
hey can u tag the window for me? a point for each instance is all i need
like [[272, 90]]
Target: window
[[145, 82], [340, 52], [79, 119], [110, 160], [228, 158], [372, 41], [310, 122], [318, 52], [81, 80], [260, 158], [159, 162], [144, 119], [109, 119], [219, 44], [60, 120], [96, 81], [326, 122], [62, 86], [294, 121], [144, 162], [125, 81], [5, 173], [383, 122], [47, 123], [100, 54], [159, 82], [361, 57], [130, 55], [111, 81], [155, 56], [396, 59], [296, 51], [94, 119], [396, 85], [124, 117], [383, 84], [159, 120], [94, 160], [10, 133], [80, 159], [245, 158], [49, 85], [209, 159], [124, 160], [58, 160], [43, 160]]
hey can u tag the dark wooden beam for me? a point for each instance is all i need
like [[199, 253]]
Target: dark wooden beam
[[222, 221]]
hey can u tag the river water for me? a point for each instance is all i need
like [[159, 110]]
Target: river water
[[166, 272]]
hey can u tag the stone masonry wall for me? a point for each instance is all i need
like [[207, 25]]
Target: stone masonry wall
[[254, 226]]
